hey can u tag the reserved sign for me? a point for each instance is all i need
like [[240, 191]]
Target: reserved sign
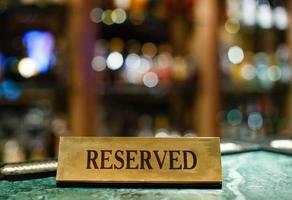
[[139, 161]]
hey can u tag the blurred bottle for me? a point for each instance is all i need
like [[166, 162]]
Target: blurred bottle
[[12, 151], [37, 146], [145, 126]]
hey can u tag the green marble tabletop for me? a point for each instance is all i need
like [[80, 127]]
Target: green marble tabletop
[[253, 175]]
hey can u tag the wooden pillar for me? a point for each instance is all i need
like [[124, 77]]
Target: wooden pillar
[[205, 52], [83, 98], [288, 107]]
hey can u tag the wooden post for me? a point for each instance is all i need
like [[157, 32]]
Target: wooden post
[[288, 105], [83, 98], [205, 52]]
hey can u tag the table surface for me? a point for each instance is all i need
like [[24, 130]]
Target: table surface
[[252, 175]]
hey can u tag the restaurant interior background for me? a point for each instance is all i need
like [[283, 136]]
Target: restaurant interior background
[[142, 68]]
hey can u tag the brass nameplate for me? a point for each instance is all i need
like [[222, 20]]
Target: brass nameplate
[[139, 161]]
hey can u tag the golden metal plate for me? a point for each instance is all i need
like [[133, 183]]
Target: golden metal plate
[[139, 161]]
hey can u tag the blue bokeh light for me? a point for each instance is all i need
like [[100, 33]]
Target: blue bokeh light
[[40, 48], [1, 61], [10, 90]]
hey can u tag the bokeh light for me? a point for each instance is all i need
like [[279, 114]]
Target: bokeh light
[[116, 44], [248, 72], [149, 49], [235, 55], [114, 61], [107, 17], [125, 4], [164, 60], [283, 52], [232, 25], [274, 73], [96, 15], [264, 16], [150, 79], [132, 64], [248, 12], [40, 47], [280, 17], [118, 16], [101, 47], [136, 67], [145, 65], [35, 117], [255, 121], [133, 60], [98, 63], [234, 117], [11, 90], [28, 67], [262, 72]]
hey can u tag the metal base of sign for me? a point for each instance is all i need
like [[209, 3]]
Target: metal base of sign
[[143, 185]]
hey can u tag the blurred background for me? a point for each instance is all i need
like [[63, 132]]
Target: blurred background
[[142, 68]]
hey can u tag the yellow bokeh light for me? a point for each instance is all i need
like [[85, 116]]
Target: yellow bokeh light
[[232, 26]]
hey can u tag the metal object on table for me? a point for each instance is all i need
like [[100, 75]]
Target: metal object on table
[[278, 145], [33, 169], [232, 147]]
